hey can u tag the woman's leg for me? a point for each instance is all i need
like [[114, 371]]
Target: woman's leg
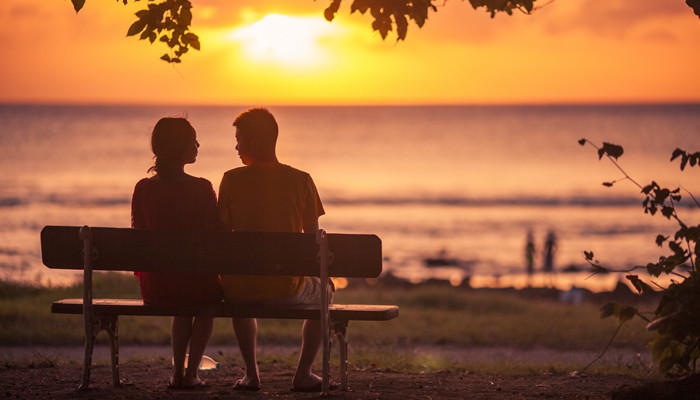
[[181, 329], [201, 332], [246, 330]]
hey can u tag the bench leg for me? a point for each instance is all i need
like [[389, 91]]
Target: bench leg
[[340, 330], [92, 327], [111, 325]]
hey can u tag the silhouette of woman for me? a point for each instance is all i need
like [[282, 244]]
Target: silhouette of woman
[[173, 199], [529, 253]]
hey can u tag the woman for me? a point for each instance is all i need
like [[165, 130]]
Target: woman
[[175, 200]]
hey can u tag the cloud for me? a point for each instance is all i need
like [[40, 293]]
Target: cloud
[[618, 18]]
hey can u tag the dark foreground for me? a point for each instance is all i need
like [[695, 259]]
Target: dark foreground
[[147, 380]]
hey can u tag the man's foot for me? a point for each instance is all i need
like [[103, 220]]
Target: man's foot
[[244, 385], [313, 384], [195, 384]]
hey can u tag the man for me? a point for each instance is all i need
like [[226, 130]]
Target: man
[[267, 196]]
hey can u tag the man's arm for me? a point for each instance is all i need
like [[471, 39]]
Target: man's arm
[[311, 227]]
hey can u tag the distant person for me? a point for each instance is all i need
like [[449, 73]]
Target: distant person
[[267, 196], [529, 253], [550, 247], [173, 199]]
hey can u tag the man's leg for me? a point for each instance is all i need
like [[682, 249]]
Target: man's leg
[[310, 344], [246, 330]]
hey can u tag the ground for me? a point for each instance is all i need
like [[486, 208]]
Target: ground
[[147, 380]]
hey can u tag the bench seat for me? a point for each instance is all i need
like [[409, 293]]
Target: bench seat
[[338, 312]]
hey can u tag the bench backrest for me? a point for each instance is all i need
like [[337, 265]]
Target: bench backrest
[[250, 253]]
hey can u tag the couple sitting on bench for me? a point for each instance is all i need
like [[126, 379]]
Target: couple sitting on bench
[[262, 196]]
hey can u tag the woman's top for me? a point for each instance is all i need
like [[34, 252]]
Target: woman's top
[[188, 203]]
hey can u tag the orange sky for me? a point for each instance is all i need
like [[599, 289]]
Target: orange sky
[[569, 51]]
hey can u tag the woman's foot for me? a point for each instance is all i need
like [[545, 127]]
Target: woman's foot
[[175, 381]]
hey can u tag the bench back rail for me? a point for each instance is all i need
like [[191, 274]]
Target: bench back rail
[[257, 253]]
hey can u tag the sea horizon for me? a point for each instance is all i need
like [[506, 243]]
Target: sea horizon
[[469, 180]]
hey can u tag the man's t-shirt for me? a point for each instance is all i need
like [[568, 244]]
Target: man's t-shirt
[[266, 198]]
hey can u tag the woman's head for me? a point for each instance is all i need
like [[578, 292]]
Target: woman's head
[[174, 144]]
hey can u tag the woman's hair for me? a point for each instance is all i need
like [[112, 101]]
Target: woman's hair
[[170, 140]]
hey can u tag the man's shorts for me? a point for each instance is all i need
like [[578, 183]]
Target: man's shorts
[[310, 294]]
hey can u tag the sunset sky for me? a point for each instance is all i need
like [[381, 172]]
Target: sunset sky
[[284, 52]]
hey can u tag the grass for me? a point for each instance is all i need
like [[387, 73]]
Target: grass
[[429, 315]]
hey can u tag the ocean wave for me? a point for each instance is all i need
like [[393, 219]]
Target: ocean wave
[[11, 201], [79, 200], [8, 202], [502, 201]]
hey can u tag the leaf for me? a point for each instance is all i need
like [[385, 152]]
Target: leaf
[[401, 26], [695, 5], [654, 269], [667, 211], [78, 4], [329, 13], [588, 254], [136, 27], [641, 286], [582, 142], [608, 184], [676, 153], [607, 310], [620, 311], [165, 57], [660, 239], [611, 150]]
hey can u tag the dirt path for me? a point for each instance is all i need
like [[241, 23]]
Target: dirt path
[[147, 380]]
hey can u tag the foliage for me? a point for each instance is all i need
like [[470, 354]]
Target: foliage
[[167, 21], [676, 320], [388, 14], [695, 5]]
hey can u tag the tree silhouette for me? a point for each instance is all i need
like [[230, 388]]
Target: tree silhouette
[[168, 21]]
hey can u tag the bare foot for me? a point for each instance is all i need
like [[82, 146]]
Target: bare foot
[[308, 381], [247, 383], [175, 380], [192, 383]]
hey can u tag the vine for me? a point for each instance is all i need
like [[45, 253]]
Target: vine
[[676, 319]]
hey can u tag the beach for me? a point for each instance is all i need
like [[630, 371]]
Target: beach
[[147, 380], [386, 361]]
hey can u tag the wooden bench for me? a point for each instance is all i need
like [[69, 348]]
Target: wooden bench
[[251, 253]]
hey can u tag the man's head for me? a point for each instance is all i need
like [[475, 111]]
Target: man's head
[[256, 136]]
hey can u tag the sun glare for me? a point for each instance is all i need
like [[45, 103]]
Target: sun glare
[[285, 40]]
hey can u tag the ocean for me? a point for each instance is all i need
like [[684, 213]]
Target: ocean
[[461, 184]]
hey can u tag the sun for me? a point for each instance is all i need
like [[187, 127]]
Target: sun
[[285, 40]]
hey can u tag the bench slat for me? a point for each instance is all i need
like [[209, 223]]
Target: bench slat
[[338, 312], [256, 253]]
